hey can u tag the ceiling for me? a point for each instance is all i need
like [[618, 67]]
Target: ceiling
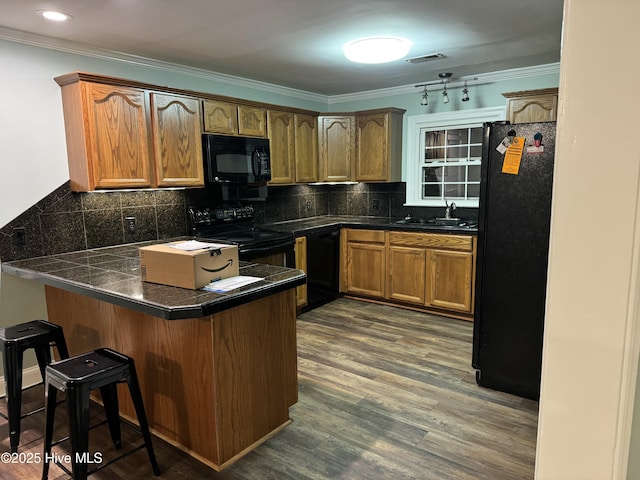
[[298, 43]]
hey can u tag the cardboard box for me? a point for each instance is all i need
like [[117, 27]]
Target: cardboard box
[[193, 265]]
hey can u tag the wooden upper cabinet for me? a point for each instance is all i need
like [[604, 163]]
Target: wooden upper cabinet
[[306, 148], [336, 148], [252, 121], [220, 117], [228, 118], [379, 146], [281, 145], [129, 136], [177, 140], [532, 105], [107, 135]]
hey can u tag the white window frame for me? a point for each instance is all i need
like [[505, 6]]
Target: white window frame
[[418, 125]]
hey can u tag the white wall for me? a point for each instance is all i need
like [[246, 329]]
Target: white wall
[[33, 158], [590, 345]]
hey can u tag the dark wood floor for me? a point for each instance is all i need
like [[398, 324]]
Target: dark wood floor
[[384, 394]]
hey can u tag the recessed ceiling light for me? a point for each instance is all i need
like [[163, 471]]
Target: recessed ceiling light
[[53, 15], [376, 49]]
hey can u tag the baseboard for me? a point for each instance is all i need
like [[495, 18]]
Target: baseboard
[[30, 377]]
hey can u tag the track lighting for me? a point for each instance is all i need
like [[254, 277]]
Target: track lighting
[[445, 79], [424, 100], [465, 92], [445, 83]]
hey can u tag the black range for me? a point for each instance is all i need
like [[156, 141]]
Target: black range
[[235, 225]]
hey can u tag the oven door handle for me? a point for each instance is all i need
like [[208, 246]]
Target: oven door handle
[[268, 248]]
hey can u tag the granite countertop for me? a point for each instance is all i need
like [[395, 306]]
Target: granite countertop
[[112, 274], [306, 226]]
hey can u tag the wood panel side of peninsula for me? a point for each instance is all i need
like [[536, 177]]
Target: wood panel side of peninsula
[[215, 386]]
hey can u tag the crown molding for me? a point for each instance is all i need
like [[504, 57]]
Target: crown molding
[[105, 54], [551, 68]]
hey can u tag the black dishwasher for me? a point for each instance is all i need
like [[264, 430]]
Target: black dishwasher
[[323, 267]]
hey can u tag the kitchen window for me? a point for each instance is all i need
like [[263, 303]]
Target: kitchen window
[[444, 155]]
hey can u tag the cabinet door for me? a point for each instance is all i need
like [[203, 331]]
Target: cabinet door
[[449, 281], [306, 148], [252, 121], [177, 139], [301, 264], [336, 148], [532, 106], [281, 145], [366, 269], [372, 147], [220, 117], [407, 274], [117, 138]]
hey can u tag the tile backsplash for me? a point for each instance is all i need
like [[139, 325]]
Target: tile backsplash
[[66, 221]]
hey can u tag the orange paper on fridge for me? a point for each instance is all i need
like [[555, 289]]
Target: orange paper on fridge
[[188, 264]]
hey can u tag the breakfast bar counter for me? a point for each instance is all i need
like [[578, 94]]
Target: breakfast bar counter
[[218, 371], [112, 274]]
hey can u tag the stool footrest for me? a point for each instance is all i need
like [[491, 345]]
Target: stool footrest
[[64, 439], [28, 414]]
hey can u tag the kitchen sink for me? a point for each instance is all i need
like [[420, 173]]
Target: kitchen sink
[[438, 222], [447, 221]]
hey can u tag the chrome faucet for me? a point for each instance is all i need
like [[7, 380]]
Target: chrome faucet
[[450, 208]]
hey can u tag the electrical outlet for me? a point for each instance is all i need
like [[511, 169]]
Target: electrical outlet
[[130, 224], [20, 236], [376, 204]]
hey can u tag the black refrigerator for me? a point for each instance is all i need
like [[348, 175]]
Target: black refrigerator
[[513, 247]]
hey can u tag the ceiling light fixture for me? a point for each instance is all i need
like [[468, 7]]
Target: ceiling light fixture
[[53, 15], [445, 78], [445, 82], [465, 92], [376, 49], [424, 100]]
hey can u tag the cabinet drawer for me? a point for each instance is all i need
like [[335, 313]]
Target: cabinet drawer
[[451, 242], [369, 236]]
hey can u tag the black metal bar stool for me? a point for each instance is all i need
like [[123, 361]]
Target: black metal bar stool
[[77, 376], [39, 335]]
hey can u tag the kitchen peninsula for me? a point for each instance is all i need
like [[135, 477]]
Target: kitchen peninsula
[[217, 371]]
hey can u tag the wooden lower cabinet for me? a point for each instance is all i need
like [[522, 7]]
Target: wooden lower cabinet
[[365, 262], [406, 274], [426, 270], [301, 264], [449, 279]]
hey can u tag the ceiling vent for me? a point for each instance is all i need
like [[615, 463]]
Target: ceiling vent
[[425, 58]]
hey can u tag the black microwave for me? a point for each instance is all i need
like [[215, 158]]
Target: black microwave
[[240, 160]]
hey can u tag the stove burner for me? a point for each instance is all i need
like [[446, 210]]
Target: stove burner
[[235, 225]]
